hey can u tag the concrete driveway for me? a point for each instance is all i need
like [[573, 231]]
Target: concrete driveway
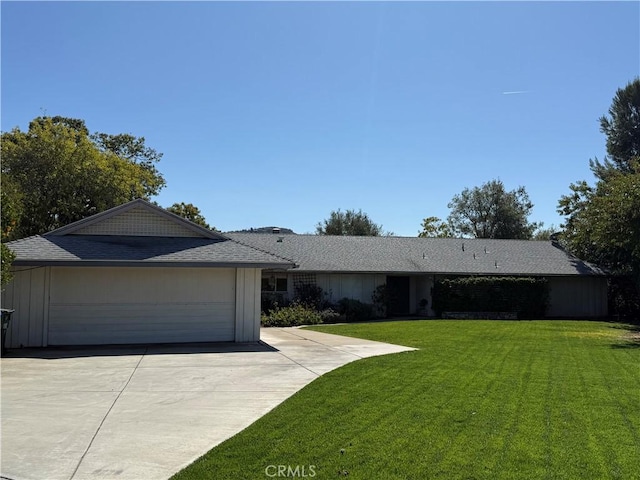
[[147, 412]]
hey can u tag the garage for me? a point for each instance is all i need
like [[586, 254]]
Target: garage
[[134, 274], [141, 305]]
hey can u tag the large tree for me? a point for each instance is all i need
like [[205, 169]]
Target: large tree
[[191, 213], [61, 173], [11, 210], [603, 221], [349, 223], [490, 211], [622, 129]]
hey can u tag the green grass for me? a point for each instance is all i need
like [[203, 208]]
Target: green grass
[[479, 400]]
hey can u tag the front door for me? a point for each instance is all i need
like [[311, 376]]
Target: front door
[[399, 295]]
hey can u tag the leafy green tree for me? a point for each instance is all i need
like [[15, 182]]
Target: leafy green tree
[[350, 223], [132, 149], [434, 227], [7, 257], [490, 211], [603, 224], [603, 221], [190, 212], [61, 174], [10, 207]]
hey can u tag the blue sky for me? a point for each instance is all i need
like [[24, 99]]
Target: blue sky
[[276, 113]]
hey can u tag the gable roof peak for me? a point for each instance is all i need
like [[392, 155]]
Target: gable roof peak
[[92, 222]]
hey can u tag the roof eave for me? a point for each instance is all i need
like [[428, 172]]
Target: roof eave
[[149, 263], [462, 273]]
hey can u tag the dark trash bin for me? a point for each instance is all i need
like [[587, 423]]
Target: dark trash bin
[[6, 320]]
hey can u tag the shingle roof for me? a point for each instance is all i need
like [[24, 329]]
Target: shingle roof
[[125, 250], [131, 243], [317, 253]]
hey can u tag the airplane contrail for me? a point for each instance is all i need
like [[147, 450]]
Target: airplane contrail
[[515, 92]]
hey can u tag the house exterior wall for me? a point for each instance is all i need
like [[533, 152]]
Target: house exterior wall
[[579, 297], [28, 295], [97, 305], [358, 286], [575, 296]]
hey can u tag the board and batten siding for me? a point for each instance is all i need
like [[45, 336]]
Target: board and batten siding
[[28, 295], [358, 286], [578, 297], [248, 307]]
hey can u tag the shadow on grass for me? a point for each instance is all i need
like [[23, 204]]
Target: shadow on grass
[[630, 338]]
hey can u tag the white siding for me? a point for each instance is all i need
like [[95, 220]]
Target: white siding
[[577, 297], [28, 295], [141, 305], [137, 222], [359, 286], [248, 284]]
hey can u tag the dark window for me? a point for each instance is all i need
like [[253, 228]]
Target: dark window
[[281, 284], [274, 284]]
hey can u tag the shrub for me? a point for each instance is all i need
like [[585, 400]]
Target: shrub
[[382, 297], [271, 302], [355, 310], [291, 316], [310, 295], [524, 295], [329, 315]]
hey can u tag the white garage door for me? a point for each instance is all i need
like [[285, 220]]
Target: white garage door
[[91, 306]]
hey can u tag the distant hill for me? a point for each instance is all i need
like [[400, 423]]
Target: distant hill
[[280, 230]]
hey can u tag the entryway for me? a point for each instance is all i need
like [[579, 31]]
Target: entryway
[[398, 286]]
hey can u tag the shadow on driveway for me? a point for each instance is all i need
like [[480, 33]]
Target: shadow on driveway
[[55, 353]]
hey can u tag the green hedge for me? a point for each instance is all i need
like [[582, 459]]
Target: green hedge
[[525, 295]]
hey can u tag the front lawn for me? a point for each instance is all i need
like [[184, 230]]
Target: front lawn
[[479, 400]]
